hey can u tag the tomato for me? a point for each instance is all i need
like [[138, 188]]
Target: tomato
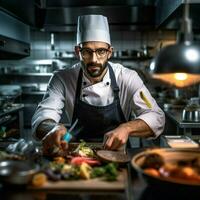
[[79, 160]]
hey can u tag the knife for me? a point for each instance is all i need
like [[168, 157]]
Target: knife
[[68, 136]]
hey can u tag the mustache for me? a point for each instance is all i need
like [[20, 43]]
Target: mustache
[[93, 64]]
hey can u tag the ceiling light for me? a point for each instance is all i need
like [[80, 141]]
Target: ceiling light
[[181, 58]]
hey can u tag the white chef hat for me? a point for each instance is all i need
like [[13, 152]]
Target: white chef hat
[[93, 28]]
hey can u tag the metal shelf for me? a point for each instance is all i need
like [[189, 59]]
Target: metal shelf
[[34, 92], [29, 74], [131, 58]]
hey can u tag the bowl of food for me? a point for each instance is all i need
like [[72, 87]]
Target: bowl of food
[[17, 172], [168, 166]]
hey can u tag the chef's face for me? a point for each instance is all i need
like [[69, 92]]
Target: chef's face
[[94, 57]]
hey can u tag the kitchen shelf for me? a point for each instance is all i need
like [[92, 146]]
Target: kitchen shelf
[[65, 58], [8, 119], [34, 93], [28, 74], [131, 58]]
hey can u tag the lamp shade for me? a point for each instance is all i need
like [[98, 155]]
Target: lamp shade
[[178, 58], [178, 64]]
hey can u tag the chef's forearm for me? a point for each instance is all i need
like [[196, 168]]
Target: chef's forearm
[[44, 127], [138, 128]]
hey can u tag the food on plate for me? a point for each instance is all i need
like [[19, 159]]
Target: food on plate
[[153, 160], [67, 171], [59, 159], [181, 170], [109, 172], [152, 172], [39, 179], [84, 150], [80, 162], [85, 171]]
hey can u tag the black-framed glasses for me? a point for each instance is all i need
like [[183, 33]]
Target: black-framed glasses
[[87, 52]]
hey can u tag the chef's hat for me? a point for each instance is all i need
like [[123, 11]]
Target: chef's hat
[[92, 28]]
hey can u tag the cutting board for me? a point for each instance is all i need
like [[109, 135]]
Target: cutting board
[[96, 184]]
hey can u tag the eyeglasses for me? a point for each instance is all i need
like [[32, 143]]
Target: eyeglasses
[[87, 52]]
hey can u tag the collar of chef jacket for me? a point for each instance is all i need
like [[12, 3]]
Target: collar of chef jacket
[[99, 94]]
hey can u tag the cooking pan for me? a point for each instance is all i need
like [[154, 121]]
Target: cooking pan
[[170, 156], [15, 172]]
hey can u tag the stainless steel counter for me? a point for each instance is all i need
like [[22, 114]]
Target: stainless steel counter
[[182, 126], [176, 116]]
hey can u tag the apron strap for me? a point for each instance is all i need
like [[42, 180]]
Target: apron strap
[[77, 95], [114, 85]]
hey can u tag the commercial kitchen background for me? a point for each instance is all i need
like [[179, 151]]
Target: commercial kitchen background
[[138, 32]]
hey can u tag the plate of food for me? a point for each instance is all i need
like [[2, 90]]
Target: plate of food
[[79, 163], [169, 166]]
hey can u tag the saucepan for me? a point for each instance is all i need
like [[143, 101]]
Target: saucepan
[[168, 167], [16, 172]]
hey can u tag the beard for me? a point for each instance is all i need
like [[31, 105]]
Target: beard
[[94, 70]]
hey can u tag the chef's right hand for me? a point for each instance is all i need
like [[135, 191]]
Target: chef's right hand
[[52, 142]]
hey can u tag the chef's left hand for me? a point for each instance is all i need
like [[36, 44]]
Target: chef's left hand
[[116, 138]]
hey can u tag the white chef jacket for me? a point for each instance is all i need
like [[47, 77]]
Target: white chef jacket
[[62, 88]]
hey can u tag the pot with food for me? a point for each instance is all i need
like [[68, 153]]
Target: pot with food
[[169, 167]]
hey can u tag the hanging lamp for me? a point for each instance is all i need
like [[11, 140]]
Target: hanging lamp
[[179, 64]]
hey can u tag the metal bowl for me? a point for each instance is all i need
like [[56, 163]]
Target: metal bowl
[[17, 172]]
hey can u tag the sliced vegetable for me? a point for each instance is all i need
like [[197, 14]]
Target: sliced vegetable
[[85, 171], [79, 160], [84, 150]]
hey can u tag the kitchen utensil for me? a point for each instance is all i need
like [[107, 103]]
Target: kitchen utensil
[[170, 156], [191, 113], [68, 135], [17, 172], [113, 156], [22, 147]]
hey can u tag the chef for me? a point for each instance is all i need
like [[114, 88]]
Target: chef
[[98, 96]]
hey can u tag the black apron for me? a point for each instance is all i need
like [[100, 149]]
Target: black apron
[[95, 121]]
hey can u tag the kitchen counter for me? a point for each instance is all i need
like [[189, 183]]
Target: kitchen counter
[[137, 189], [176, 116], [183, 127]]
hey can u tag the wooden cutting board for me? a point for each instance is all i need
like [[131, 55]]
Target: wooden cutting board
[[87, 185]]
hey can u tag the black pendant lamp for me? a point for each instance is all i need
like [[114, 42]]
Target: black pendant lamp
[[179, 64]]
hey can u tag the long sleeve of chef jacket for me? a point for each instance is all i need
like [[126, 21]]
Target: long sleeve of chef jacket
[[60, 96]]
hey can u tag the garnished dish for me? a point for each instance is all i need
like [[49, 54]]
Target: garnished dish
[[80, 162], [181, 166]]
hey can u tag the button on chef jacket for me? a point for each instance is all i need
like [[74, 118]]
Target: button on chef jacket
[[62, 88]]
